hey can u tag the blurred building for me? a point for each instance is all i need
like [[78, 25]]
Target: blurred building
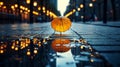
[[94, 12], [22, 11]]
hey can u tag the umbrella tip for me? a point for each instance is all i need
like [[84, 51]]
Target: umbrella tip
[[61, 16]]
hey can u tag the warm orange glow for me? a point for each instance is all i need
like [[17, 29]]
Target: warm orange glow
[[81, 5], [22, 7], [68, 14], [28, 52], [35, 4], [16, 48], [26, 9], [28, 1], [52, 15], [21, 11], [1, 3], [39, 8], [16, 5], [61, 24], [1, 47], [17, 42], [61, 45], [90, 4], [74, 10], [35, 40], [48, 13], [12, 47], [78, 9], [44, 40], [22, 44], [27, 40], [43, 11], [26, 44], [4, 7], [91, 60], [82, 47], [35, 13], [39, 44], [1, 51], [43, 8], [12, 7], [35, 51]]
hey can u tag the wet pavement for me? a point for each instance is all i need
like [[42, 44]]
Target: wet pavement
[[38, 45]]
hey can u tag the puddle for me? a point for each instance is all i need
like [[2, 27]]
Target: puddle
[[49, 52]]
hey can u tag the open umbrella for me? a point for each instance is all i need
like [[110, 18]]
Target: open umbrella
[[61, 45], [61, 24]]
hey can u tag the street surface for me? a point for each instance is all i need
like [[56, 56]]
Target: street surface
[[91, 45]]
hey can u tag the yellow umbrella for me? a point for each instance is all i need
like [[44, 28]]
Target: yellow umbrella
[[61, 24]]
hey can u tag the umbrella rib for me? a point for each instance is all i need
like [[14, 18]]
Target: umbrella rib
[[62, 24]]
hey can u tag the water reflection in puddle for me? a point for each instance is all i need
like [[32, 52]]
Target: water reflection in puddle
[[49, 52]]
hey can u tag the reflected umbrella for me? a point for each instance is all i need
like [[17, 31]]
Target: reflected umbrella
[[61, 45]]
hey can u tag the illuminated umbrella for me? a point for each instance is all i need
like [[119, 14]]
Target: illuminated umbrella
[[61, 24], [61, 45]]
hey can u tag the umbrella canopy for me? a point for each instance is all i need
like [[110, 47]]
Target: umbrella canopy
[[61, 24], [61, 45]]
